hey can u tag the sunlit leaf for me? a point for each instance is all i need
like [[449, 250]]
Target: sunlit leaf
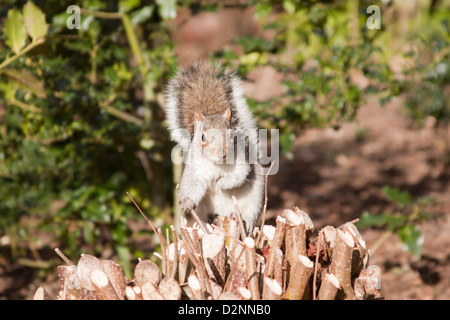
[[35, 22], [167, 8], [15, 30]]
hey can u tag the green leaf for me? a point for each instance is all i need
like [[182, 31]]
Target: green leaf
[[141, 15], [389, 220], [289, 6], [411, 239], [127, 5], [15, 30], [26, 81], [35, 22], [167, 8], [124, 256], [286, 141], [368, 220], [402, 198]]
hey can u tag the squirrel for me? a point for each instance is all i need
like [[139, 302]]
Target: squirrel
[[208, 117]]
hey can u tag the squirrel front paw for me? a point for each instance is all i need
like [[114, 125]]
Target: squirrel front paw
[[186, 204], [227, 183], [223, 183]]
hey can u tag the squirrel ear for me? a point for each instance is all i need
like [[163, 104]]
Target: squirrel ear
[[227, 114], [198, 116]]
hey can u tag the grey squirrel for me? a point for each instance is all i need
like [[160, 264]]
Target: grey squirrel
[[208, 117]]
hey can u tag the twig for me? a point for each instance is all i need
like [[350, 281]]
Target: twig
[[63, 257], [318, 248], [165, 263], [200, 222], [234, 265], [190, 249], [122, 114], [174, 270], [265, 204], [380, 241], [32, 45], [102, 14], [228, 234], [239, 216], [161, 239], [25, 106]]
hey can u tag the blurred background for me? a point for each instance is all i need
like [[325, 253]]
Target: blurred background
[[358, 89]]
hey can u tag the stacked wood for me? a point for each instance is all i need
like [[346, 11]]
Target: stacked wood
[[222, 262]]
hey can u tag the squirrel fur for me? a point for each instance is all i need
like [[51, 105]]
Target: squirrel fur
[[205, 112]]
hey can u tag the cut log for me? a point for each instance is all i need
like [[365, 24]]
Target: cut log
[[341, 262], [103, 286], [302, 271], [170, 289], [147, 271], [329, 287], [214, 254]]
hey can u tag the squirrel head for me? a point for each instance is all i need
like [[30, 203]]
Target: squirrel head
[[215, 134]]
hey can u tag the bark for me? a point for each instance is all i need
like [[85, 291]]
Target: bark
[[329, 287], [272, 289], [302, 271], [115, 276], [276, 244], [368, 283], [341, 262], [252, 275]]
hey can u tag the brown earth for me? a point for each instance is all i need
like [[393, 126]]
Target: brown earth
[[337, 175]]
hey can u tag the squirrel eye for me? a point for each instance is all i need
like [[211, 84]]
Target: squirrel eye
[[203, 137]]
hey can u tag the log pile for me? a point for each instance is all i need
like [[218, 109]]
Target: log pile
[[222, 262]]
